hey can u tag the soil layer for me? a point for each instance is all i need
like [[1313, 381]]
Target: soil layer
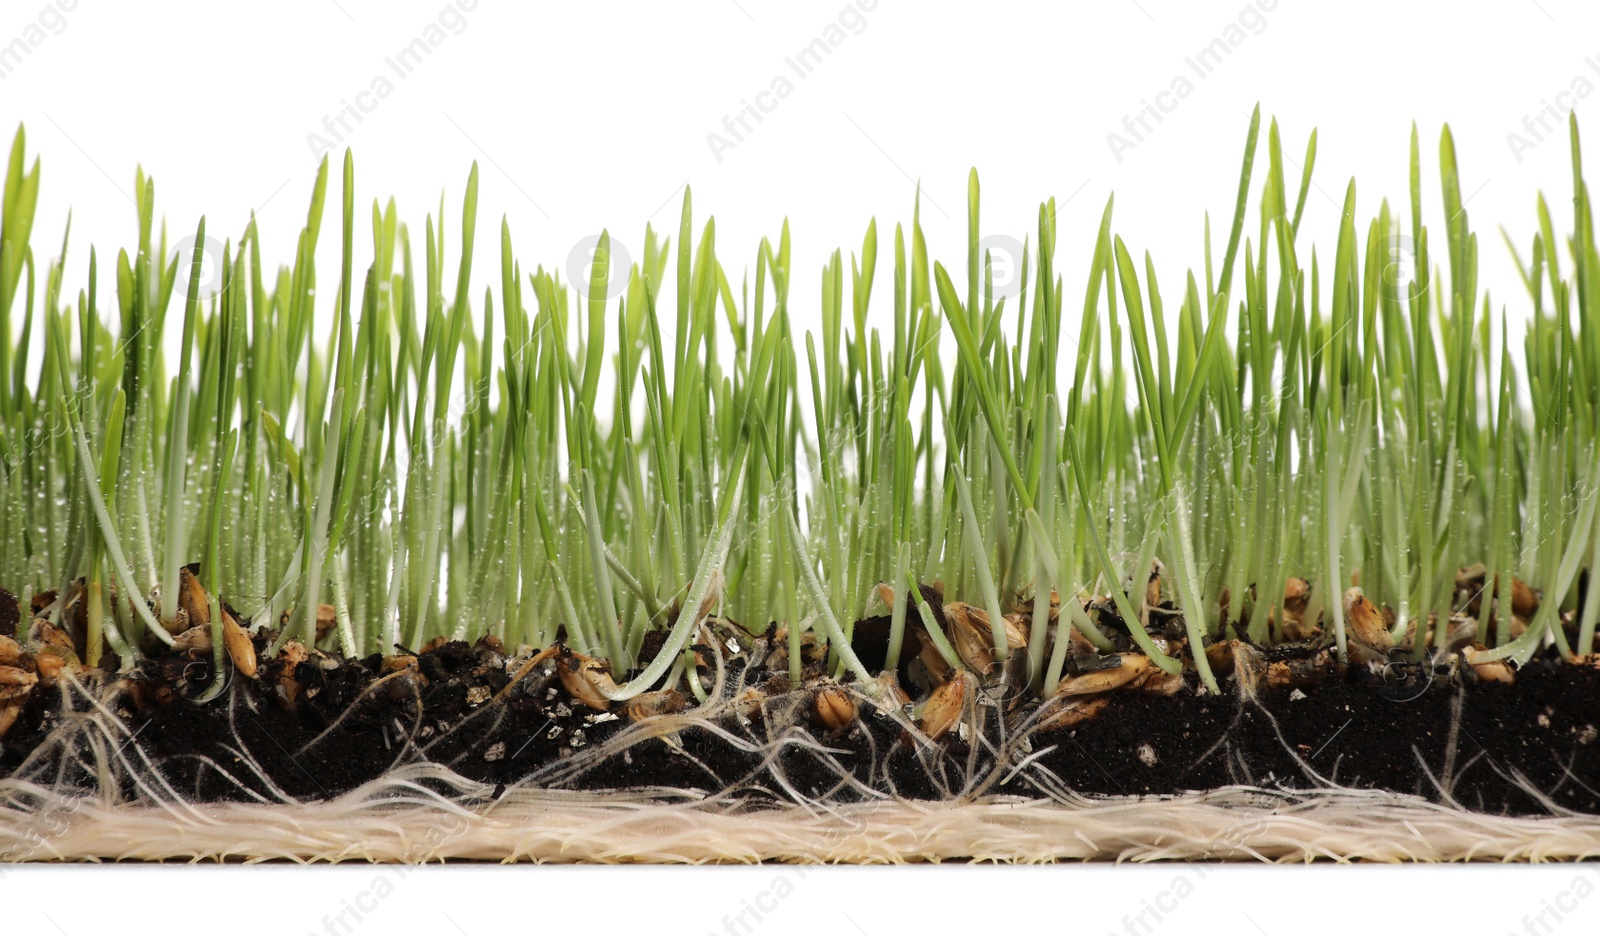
[[1522, 748]]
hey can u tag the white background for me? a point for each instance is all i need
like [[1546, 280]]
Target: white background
[[591, 115]]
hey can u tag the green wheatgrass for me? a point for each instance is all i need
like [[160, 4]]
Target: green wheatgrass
[[1308, 418]]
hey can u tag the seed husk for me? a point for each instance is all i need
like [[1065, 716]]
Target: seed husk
[[1488, 670], [1301, 671], [1364, 623], [192, 599], [749, 701], [943, 709], [398, 663], [1471, 577], [973, 636], [55, 652], [1248, 668], [1221, 657], [650, 704], [932, 660], [1296, 594], [1129, 667], [50, 666], [9, 712], [810, 650], [1495, 671], [293, 654], [197, 638], [1152, 586], [16, 682], [889, 686], [327, 617], [11, 652], [1298, 630], [969, 634], [1296, 598], [1071, 712], [1524, 600], [833, 708], [53, 639], [1157, 681], [587, 680], [1078, 645], [76, 609], [240, 648]]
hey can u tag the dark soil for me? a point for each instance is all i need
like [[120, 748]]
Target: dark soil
[[1396, 731], [1364, 731]]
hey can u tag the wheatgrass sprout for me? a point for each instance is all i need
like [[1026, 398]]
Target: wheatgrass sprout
[[441, 466]]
